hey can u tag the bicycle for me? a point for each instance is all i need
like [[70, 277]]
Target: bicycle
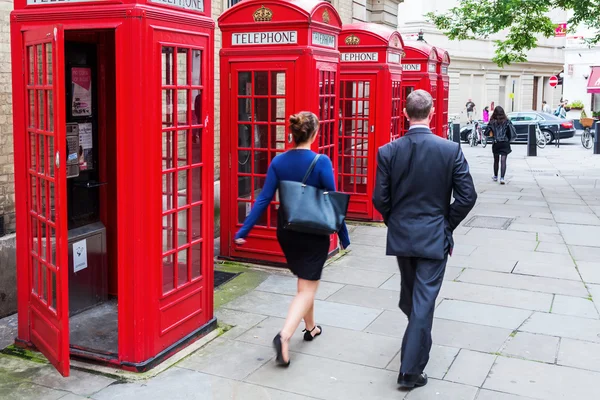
[[587, 137], [476, 136], [541, 138]]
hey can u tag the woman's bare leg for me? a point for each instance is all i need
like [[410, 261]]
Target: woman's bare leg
[[302, 304]]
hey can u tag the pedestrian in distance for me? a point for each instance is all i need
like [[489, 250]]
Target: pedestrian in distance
[[305, 253], [546, 107], [502, 132], [470, 107], [486, 114], [417, 175]]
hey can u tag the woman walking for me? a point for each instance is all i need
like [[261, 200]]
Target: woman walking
[[486, 114], [305, 253], [502, 132]]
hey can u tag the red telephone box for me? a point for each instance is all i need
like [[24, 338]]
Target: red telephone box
[[278, 58], [443, 90], [113, 136], [420, 72], [371, 109]]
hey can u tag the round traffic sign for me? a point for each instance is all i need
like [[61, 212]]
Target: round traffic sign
[[553, 81]]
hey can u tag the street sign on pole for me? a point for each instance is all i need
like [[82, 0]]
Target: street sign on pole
[[553, 81]]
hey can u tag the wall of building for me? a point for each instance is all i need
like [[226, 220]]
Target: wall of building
[[7, 190], [472, 73]]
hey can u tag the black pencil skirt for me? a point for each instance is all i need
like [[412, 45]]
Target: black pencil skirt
[[306, 254]]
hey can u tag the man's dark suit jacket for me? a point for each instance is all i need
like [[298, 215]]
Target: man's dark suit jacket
[[416, 176]]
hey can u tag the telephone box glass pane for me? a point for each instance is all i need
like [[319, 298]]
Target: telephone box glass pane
[[196, 185], [261, 109], [182, 228], [50, 103], [50, 156], [182, 268], [244, 136], [278, 83], [182, 107], [44, 291], [167, 150], [53, 291], [196, 256], [182, 67], [182, 148], [261, 83], [41, 153], [167, 108], [41, 107], [34, 274], [49, 63], [32, 150], [31, 96], [40, 65], [168, 274], [33, 193], [245, 83], [167, 66], [196, 67], [31, 65], [196, 223], [261, 136]]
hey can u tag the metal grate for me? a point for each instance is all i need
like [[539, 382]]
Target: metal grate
[[480, 221], [222, 277]]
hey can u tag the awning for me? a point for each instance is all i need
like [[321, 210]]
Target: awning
[[594, 81]]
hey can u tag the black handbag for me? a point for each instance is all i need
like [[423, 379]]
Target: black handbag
[[308, 209]]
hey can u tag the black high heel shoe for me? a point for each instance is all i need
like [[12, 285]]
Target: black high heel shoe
[[308, 334], [279, 351]]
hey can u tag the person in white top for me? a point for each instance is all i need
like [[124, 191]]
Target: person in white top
[[546, 108]]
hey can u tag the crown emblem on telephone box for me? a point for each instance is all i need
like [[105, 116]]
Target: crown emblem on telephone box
[[352, 40], [263, 14], [326, 17]]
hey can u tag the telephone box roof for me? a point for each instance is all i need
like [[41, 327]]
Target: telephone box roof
[[417, 49], [383, 33], [305, 9]]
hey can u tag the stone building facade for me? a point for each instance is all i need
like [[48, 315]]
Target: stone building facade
[[7, 189], [473, 75]]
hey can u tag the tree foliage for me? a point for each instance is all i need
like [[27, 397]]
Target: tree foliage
[[523, 21]]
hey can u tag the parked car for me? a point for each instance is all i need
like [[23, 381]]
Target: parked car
[[553, 127], [550, 125]]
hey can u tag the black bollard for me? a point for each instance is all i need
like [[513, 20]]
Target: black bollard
[[596, 139], [456, 133], [532, 141]]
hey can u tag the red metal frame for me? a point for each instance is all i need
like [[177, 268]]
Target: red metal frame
[[311, 83], [153, 323], [420, 72], [443, 89], [371, 105]]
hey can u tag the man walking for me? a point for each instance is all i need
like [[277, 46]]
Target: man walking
[[546, 107], [416, 176], [470, 106]]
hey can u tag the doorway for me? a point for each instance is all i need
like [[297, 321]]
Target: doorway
[[91, 191]]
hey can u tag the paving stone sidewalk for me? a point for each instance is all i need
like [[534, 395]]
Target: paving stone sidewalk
[[517, 318]]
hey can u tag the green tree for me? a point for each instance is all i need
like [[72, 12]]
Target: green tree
[[523, 20]]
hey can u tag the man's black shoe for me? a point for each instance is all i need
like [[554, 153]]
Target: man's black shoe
[[411, 381]]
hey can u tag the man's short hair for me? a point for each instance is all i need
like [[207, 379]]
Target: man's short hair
[[418, 105]]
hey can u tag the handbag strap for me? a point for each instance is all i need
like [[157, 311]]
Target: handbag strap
[[310, 169]]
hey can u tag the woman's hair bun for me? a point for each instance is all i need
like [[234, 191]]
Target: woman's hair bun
[[303, 126]]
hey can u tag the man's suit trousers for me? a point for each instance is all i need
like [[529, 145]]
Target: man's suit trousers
[[421, 283]]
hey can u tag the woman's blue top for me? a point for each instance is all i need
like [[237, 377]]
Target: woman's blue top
[[292, 166]]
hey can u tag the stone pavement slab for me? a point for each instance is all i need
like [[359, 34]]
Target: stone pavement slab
[[582, 253], [590, 271], [579, 218], [328, 379], [547, 270], [485, 394], [367, 297], [289, 285], [580, 235], [469, 336], [563, 326], [354, 276], [542, 381], [532, 347], [389, 323], [380, 264], [555, 248], [482, 314], [23, 390], [393, 283], [442, 390], [532, 283], [578, 354], [228, 358], [496, 296], [440, 360], [335, 343], [328, 313], [470, 368], [576, 306]]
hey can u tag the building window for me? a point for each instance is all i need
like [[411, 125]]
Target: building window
[[231, 3]]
